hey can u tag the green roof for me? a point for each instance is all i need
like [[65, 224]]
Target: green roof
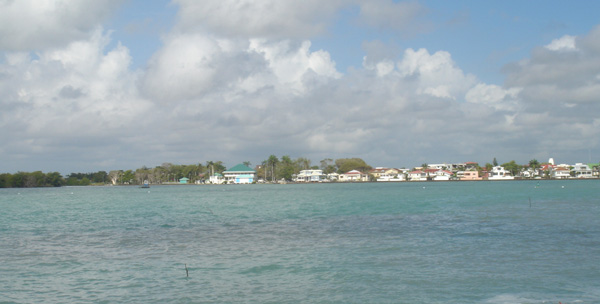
[[240, 168]]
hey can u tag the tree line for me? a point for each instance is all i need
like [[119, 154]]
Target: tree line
[[272, 168]]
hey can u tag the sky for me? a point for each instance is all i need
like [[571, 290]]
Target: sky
[[114, 84]]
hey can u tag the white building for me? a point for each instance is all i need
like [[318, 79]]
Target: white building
[[499, 173], [354, 176], [391, 178], [442, 175], [216, 178], [582, 171], [333, 176], [439, 166], [240, 174], [307, 176], [417, 175], [560, 173]]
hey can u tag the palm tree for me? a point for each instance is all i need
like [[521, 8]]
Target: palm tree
[[272, 162], [534, 163]]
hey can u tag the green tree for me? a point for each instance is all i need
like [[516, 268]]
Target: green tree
[[348, 164], [99, 177], [54, 179], [18, 180], [534, 164], [84, 182], [286, 168], [327, 165], [218, 166], [272, 162], [512, 167], [128, 177], [5, 180], [495, 162], [303, 163]]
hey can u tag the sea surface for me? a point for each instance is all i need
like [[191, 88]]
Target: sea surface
[[429, 242]]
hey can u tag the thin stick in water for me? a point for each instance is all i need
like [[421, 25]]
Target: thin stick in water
[[187, 274]]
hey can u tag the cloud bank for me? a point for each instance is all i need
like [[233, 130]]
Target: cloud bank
[[234, 81]]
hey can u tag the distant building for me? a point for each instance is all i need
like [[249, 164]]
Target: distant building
[[582, 171], [239, 174], [382, 174], [499, 173], [216, 178], [333, 176], [470, 175], [184, 180], [417, 175], [560, 173], [441, 175], [354, 176], [306, 176]]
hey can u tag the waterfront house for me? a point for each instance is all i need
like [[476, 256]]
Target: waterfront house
[[528, 172], [387, 174], [354, 176], [308, 176], [239, 174], [184, 180], [441, 175], [216, 178], [377, 172], [560, 173], [546, 170], [417, 175], [392, 175], [469, 175], [581, 170], [333, 176], [499, 173], [439, 166]]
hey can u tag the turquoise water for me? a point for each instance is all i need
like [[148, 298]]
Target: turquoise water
[[445, 242]]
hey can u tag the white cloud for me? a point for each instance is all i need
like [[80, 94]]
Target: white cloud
[[495, 96], [290, 63], [38, 24], [437, 73], [565, 43], [68, 98], [219, 91], [193, 65]]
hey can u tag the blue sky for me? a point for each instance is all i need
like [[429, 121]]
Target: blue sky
[[112, 84], [482, 36]]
